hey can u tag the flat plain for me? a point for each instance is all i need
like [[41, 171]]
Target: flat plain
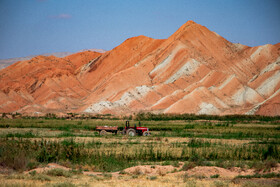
[[61, 152]]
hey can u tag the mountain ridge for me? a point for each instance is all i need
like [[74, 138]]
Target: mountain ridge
[[9, 61], [195, 70]]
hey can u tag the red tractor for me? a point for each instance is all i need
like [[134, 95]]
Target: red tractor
[[132, 131]]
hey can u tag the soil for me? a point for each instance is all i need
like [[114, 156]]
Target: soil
[[158, 170]]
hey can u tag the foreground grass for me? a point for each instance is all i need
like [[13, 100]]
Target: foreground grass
[[129, 180], [21, 154], [267, 175], [106, 181], [27, 143]]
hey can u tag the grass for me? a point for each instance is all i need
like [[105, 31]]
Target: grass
[[188, 165], [152, 177], [116, 156], [151, 116], [59, 172], [267, 175], [220, 184], [32, 176], [191, 183], [107, 175], [214, 176], [234, 118], [65, 134], [21, 135], [203, 143], [63, 184], [198, 143], [40, 177]]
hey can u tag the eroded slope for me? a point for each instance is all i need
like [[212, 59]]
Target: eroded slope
[[193, 71]]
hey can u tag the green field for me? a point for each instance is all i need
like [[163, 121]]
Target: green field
[[29, 143]]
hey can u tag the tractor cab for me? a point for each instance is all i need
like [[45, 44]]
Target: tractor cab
[[127, 125]]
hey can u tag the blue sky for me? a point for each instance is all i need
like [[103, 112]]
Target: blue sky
[[30, 27]]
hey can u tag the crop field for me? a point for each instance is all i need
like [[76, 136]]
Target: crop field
[[192, 152]]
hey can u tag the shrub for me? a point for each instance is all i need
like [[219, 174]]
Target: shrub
[[215, 176], [198, 143], [13, 157], [65, 134], [189, 126], [32, 164], [166, 163], [107, 175], [175, 164], [16, 176], [188, 166], [122, 172], [137, 171], [32, 173], [19, 135], [63, 184], [152, 177], [190, 183], [268, 164], [59, 172], [40, 177], [220, 184], [134, 176], [257, 175]]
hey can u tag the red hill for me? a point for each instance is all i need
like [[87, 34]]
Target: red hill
[[193, 71]]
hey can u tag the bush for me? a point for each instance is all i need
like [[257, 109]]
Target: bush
[[232, 118], [257, 175], [189, 126], [65, 134], [13, 157], [122, 172], [107, 175], [166, 163], [59, 172], [137, 171], [152, 177], [220, 184], [175, 164], [188, 166], [215, 176], [32, 164], [190, 183], [32, 173], [268, 164], [198, 143], [19, 135], [40, 177], [63, 184]]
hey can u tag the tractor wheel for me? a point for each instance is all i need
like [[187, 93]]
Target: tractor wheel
[[146, 133], [131, 132], [103, 132]]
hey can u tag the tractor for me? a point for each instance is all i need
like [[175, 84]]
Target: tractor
[[134, 130]]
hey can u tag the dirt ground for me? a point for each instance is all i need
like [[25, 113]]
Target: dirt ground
[[205, 171], [144, 175]]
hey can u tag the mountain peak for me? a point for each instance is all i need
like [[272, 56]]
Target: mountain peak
[[190, 22], [189, 26]]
